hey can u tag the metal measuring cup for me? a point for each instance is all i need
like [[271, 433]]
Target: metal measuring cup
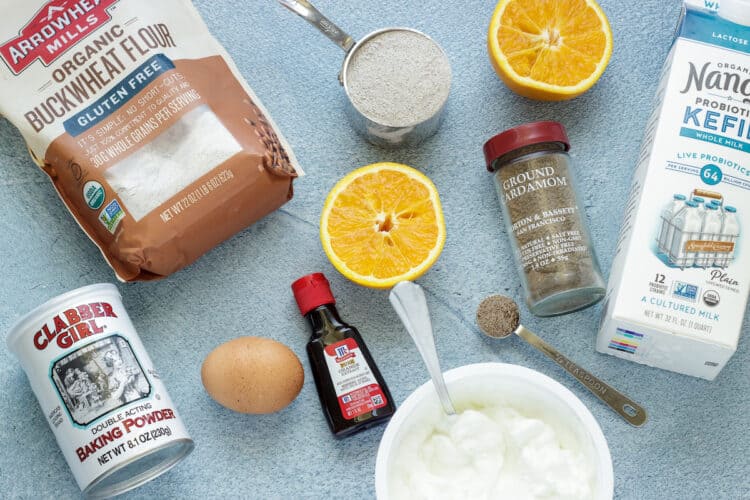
[[376, 132]]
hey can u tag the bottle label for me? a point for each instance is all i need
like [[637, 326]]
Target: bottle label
[[356, 388]]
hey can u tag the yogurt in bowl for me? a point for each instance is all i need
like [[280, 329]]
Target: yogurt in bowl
[[518, 434]]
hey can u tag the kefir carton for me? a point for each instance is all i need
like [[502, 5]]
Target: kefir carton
[[668, 305]]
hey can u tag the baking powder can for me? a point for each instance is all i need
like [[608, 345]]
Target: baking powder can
[[106, 404]]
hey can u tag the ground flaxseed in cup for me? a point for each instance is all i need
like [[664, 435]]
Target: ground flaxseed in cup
[[152, 138]]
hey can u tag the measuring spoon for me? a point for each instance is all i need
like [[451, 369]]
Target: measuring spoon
[[499, 317]]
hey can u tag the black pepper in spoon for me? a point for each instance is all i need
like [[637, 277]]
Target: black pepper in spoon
[[499, 317]]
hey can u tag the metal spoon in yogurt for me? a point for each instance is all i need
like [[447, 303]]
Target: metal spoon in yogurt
[[499, 317], [408, 300]]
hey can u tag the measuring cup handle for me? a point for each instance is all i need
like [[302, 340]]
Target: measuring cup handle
[[632, 412], [308, 12]]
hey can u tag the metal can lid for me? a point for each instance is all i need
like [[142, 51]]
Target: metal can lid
[[140, 469], [521, 136]]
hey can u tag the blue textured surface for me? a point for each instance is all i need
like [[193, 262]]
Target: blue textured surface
[[696, 444]]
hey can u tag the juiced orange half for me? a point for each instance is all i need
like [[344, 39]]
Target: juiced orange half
[[382, 224], [549, 49]]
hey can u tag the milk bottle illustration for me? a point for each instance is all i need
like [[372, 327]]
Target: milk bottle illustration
[[701, 203], [667, 229], [711, 231], [730, 231], [688, 223]]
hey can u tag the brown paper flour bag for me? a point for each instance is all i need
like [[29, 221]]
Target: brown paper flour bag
[[152, 138]]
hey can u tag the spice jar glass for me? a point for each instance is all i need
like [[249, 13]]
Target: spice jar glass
[[549, 236]]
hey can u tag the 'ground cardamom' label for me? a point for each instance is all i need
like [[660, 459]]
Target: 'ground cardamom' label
[[552, 245]]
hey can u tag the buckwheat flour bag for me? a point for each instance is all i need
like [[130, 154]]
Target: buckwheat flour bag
[[153, 140]]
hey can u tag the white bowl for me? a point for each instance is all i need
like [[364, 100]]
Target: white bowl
[[526, 390]]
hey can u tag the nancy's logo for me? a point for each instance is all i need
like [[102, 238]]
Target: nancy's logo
[[57, 26], [728, 81]]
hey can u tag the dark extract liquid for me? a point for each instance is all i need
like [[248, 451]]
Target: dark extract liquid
[[352, 391]]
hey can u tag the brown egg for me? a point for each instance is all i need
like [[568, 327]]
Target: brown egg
[[252, 375]]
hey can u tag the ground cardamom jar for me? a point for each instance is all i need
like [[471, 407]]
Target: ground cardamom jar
[[550, 239]]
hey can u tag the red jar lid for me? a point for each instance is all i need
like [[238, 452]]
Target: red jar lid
[[521, 136], [312, 291]]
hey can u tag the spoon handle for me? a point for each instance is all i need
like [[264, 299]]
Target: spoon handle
[[408, 300], [309, 13], [631, 411]]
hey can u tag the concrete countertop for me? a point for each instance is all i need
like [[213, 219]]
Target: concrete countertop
[[696, 444]]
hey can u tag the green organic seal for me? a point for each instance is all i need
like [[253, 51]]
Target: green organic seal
[[93, 193]]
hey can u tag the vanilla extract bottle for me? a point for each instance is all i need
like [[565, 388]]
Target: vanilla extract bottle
[[351, 389]]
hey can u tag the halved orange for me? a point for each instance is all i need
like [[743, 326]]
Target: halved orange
[[382, 224], [549, 49]]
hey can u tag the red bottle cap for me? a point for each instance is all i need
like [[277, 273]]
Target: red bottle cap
[[521, 136], [312, 291]]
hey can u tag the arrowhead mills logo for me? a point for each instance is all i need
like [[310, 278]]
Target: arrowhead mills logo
[[57, 26]]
